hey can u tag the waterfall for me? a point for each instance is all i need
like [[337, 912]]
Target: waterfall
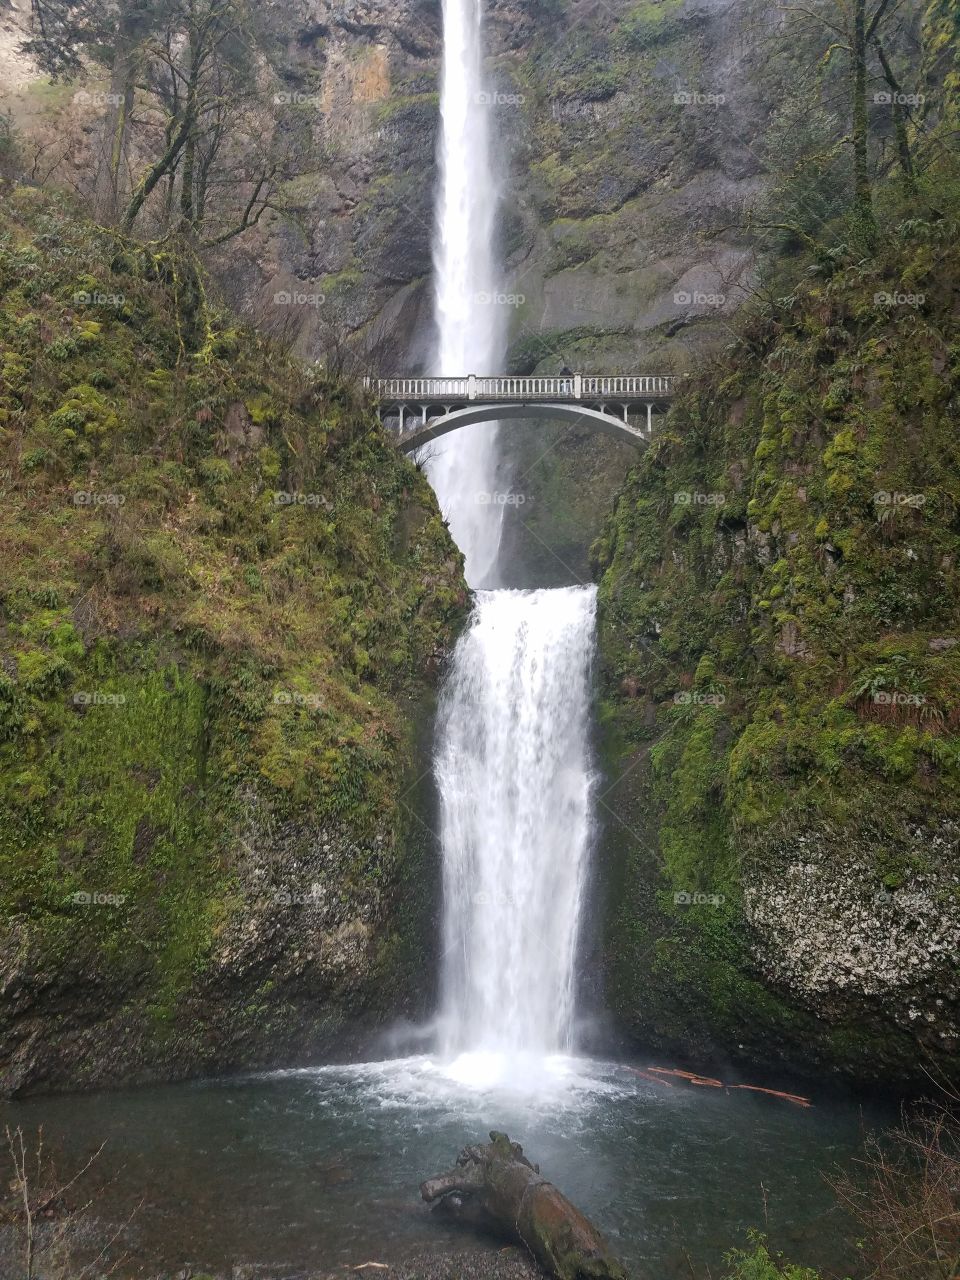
[[515, 786], [512, 762], [470, 329]]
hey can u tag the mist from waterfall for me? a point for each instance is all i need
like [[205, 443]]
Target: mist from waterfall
[[471, 334]]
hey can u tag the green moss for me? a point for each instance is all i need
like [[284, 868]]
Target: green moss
[[648, 24], [342, 281], [160, 599], [785, 652], [593, 84], [554, 174], [401, 105]]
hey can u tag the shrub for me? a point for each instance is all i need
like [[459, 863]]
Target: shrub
[[757, 1263], [905, 1197]]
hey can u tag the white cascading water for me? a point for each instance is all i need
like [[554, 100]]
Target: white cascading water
[[470, 330], [513, 761], [515, 786]]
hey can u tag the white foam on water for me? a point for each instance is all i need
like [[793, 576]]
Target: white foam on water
[[480, 1089]]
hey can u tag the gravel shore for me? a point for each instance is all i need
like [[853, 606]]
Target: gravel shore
[[508, 1263]]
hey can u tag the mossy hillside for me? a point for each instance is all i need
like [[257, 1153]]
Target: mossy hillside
[[779, 611], [224, 593], [680, 975]]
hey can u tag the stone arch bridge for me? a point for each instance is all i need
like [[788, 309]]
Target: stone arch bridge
[[423, 409]]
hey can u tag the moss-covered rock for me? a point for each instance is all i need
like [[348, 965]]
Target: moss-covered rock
[[226, 599], [780, 629]]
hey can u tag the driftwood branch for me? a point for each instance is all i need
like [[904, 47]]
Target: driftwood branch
[[496, 1187]]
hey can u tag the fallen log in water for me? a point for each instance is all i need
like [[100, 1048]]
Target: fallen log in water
[[496, 1186]]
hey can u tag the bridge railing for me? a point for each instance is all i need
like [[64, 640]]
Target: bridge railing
[[420, 389], [575, 386], [617, 386]]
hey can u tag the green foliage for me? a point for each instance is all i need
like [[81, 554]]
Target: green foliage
[[220, 583], [757, 1263], [789, 657], [648, 24]]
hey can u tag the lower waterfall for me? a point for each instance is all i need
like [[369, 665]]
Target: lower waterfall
[[515, 780]]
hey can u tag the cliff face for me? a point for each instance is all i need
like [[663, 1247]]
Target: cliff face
[[781, 645], [622, 129], [628, 133], [226, 599], [616, 152], [362, 80]]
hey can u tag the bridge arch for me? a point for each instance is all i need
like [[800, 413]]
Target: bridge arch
[[434, 428]]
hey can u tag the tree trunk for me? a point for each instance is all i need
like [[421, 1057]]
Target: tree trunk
[[496, 1187], [108, 191], [186, 182], [899, 120], [153, 175], [858, 73], [188, 167]]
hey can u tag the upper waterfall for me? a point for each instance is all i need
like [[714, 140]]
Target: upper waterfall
[[471, 334]]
